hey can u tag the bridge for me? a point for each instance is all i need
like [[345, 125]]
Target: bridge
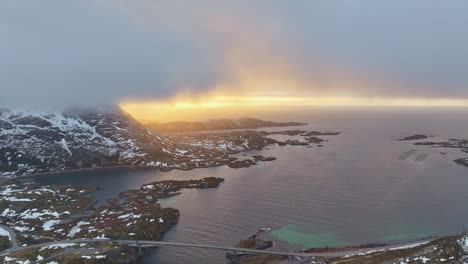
[[145, 244]]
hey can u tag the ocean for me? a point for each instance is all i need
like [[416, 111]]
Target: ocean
[[354, 190]]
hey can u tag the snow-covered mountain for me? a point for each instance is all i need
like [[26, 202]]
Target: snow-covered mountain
[[35, 142]]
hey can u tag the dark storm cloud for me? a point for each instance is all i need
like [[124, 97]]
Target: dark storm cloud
[[86, 52]]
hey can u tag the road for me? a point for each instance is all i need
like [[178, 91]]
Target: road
[[137, 243], [14, 242]]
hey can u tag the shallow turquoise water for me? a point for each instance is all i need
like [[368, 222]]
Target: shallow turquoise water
[[296, 237]]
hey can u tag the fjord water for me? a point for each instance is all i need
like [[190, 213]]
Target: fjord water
[[354, 190]]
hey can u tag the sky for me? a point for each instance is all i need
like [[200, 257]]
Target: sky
[[62, 53]]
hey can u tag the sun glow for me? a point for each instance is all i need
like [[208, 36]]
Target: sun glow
[[187, 109]]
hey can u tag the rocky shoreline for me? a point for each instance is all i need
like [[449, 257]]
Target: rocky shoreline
[[462, 161], [219, 147], [461, 144], [235, 142], [448, 249], [47, 213], [80, 140]]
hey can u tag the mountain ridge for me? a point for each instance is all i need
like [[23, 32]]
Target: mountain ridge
[[217, 124], [42, 142]]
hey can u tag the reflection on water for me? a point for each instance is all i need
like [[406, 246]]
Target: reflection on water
[[352, 191]]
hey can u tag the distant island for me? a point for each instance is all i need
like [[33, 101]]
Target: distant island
[[414, 137], [461, 144], [218, 124]]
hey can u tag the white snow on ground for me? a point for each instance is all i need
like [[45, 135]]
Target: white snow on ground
[[409, 246], [34, 214], [77, 228], [395, 248], [47, 226], [24, 261], [59, 245], [64, 145], [5, 233], [96, 257], [8, 190], [23, 228], [14, 199], [9, 212], [131, 215], [101, 237]]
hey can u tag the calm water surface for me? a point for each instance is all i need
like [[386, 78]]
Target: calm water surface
[[353, 190]]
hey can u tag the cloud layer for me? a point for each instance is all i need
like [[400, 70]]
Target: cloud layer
[[61, 53]]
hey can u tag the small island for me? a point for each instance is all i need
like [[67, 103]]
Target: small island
[[414, 137], [461, 144], [463, 162]]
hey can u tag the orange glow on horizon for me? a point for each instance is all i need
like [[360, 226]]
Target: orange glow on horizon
[[184, 109]]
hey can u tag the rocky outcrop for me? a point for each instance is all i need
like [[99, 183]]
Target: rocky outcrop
[[237, 164], [262, 158], [414, 137], [463, 162], [300, 133]]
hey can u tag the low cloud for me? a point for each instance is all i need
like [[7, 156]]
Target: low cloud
[[56, 53]]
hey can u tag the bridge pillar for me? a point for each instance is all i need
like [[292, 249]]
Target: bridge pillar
[[139, 249], [235, 258]]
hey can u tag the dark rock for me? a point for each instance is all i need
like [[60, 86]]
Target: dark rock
[[314, 140], [254, 243], [47, 135], [316, 133], [296, 143], [262, 158], [5, 125], [414, 137], [285, 133], [299, 132], [241, 164], [32, 121], [463, 161]]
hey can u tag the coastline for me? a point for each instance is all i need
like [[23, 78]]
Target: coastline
[[108, 169]]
